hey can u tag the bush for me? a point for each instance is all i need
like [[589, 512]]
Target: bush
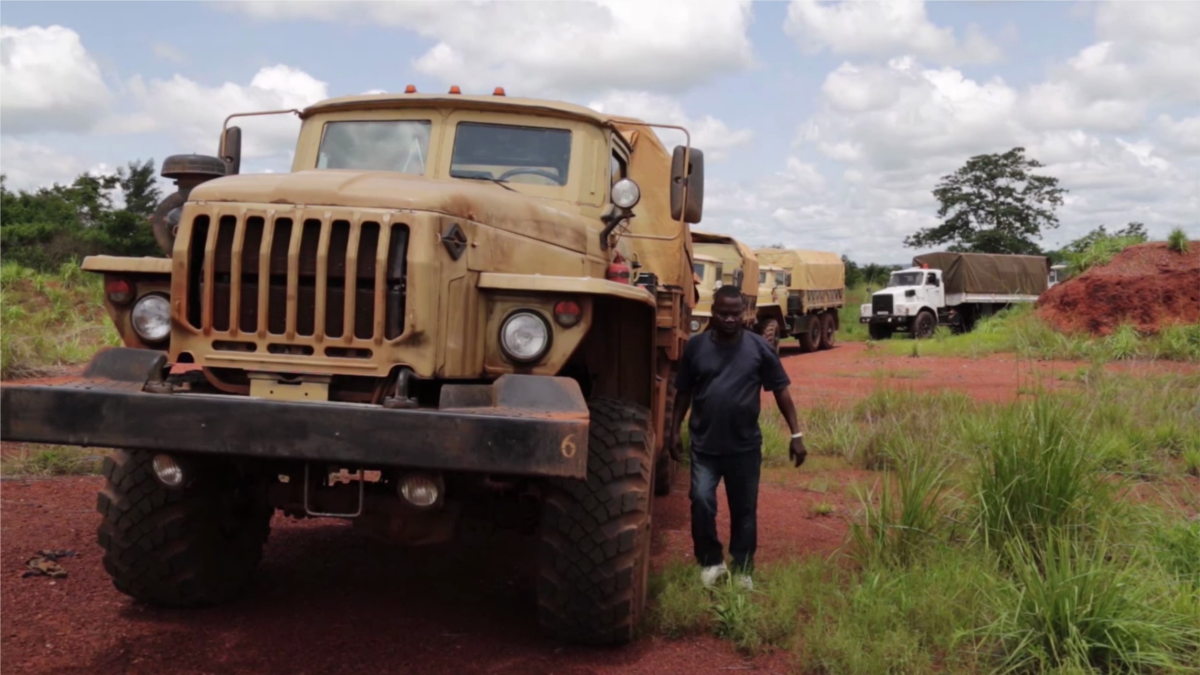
[[1177, 241]]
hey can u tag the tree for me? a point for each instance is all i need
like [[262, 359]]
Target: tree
[[140, 187], [853, 274], [993, 204]]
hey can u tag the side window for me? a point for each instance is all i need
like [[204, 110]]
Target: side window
[[762, 278], [617, 168], [931, 279]]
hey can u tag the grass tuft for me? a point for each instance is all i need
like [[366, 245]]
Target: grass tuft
[[1177, 241]]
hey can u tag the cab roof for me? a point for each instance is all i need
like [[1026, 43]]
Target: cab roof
[[700, 257], [496, 103]]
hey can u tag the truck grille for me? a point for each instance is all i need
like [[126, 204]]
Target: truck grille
[[881, 304], [345, 278]]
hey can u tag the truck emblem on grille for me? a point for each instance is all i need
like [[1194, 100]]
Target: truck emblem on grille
[[455, 241]]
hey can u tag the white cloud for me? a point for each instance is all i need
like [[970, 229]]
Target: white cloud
[[1183, 135], [194, 112], [708, 133], [884, 29], [1171, 22], [569, 47], [167, 52], [887, 134], [29, 166], [50, 81]]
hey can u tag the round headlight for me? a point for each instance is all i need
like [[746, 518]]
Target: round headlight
[[525, 337], [626, 193], [152, 318], [695, 325], [167, 470]]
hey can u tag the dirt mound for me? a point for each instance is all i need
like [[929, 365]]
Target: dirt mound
[[1148, 286]]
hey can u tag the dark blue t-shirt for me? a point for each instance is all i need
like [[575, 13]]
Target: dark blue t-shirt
[[726, 382]]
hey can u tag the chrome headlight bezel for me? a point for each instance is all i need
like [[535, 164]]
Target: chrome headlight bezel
[[161, 306], [531, 319]]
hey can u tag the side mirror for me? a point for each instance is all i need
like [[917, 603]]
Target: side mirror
[[230, 151], [689, 179]]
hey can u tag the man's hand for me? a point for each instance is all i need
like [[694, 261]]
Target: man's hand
[[797, 452]]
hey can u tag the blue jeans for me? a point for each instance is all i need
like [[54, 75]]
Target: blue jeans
[[741, 473]]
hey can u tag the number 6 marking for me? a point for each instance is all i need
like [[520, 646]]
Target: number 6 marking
[[568, 446]]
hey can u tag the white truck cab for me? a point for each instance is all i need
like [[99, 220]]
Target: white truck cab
[[911, 301]]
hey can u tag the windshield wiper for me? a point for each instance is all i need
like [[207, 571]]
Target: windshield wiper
[[497, 181]]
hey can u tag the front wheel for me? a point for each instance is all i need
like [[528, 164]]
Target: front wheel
[[924, 325], [770, 333], [810, 340], [192, 545], [828, 330], [594, 560]]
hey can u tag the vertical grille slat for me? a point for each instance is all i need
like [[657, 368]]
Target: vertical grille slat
[[321, 295], [206, 286], [310, 279], [381, 257], [348, 326], [235, 276]]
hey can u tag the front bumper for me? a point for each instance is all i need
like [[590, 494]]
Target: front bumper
[[519, 425], [887, 320]]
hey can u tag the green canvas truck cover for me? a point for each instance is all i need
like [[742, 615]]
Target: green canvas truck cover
[[987, 273]]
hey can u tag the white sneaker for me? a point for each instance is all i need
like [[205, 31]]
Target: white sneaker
[[745, 582], [710, 575]]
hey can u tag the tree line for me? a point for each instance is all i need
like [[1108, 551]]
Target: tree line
[[45, 228]]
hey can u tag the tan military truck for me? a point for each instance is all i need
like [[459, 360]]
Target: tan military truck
[[816, 290], [453, 307], [709, 276], [736, 265]]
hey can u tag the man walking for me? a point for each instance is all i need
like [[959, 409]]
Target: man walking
[[721, 376]]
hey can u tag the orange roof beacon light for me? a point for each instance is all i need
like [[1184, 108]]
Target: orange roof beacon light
[[410, 89], [455, 90], [498, 91], [924, 266]]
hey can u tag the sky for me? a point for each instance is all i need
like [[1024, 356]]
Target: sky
[[825, 125]]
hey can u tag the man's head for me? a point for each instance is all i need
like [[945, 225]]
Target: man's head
[[727, 308]]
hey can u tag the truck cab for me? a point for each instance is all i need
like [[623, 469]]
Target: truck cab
[[910, 294], [709, 273]]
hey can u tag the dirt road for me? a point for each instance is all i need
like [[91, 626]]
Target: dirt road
[[329, 600]]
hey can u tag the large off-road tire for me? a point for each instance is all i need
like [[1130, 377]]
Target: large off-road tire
[[195, 545], [770, 333], [924, 325], [810, 340], [879, 331], [595, 550], [828, 330], [665, 468]]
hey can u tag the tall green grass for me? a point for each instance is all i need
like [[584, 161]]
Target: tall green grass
[[1178, 241], [50, 320], [1018, 330], [994, 539]]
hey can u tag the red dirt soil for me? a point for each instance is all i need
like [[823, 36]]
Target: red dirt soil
[[330, 600], [1146, 285]]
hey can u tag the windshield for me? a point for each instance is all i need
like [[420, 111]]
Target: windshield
[[375, 146], [762, 278], [511, 153], [905, 279], [698, 268], [781, 279]]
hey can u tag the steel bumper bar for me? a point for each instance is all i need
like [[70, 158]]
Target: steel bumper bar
[[521, 425]]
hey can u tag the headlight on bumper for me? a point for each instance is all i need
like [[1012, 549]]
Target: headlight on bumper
[[151, 318], [524, 336]]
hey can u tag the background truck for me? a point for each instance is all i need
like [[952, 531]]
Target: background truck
[[739, 267], [709, 273], [816, 290], [953, 289], [453, 307]]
